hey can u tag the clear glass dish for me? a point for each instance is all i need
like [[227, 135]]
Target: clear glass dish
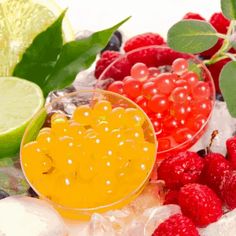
[[67, 105], [160, 57]]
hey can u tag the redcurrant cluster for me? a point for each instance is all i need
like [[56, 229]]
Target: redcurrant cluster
[[177, 102]]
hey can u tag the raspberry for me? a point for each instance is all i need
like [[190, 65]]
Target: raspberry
[[171, 197], [219, 22], [200, 204], [118, 71], [215, 70], [106, 59], [143, 40], [181, 169], [155, 56], [231, 148], [212, 51], [193, 16], [228, 189], [176, 225], [215, 168]]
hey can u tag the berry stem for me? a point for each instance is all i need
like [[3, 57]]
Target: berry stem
[[231, 56], [223, 51], [213, 136], [222, 36]]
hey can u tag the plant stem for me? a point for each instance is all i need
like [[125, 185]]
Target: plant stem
[[231, 56]]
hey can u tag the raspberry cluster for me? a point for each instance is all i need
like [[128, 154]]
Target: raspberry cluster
[[200, 186]]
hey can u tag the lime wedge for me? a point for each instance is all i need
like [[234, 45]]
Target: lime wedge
[[20, 22], [20, 100]]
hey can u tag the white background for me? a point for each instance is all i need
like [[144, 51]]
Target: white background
[[149, 15]]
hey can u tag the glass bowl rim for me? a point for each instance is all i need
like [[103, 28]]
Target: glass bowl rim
[[89, 209], [191, 56]]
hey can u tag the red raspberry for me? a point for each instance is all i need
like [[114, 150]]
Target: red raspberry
[[200, 204], [219, 22], [212, 51], [193, 16], [215, 168], [228, 189], [171, 197], [143, 40], [176, 225], [181, 169], [215, 70], [155, 56], [231, 148], [106, 59], [118, 71]]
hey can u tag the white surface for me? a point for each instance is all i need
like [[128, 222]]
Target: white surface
[[149, 15]]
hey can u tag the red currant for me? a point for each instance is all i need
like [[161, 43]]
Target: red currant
[[142, 102], [180, 111], [158, 115], [201, 91], [126, 78], [153, 71], [159, 103], [182, 83], [182, 135], [170, 124], [179, 66], [132, 87], [203, 107], [191, 78], [196, 122], [179, 95], [116, 87], [163, 144], [157, 124], [149, 89], [139, 71], [164, 83]]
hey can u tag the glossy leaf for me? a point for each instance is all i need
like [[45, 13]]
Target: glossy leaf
[[77, 56], [40, 58], [228, 86], [229, 9], [192, 36]]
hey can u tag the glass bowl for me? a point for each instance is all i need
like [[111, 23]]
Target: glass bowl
[[139, 155], [162, 57]]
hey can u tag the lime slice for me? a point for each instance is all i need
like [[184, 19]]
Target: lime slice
[[20, 22], [20, 100]]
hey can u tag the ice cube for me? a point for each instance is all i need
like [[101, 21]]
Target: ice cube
[[222, 121], [225, 226], [150, 219], [152, 196], [29, 217]]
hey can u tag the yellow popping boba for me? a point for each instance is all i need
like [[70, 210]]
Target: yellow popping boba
[[97, 159]]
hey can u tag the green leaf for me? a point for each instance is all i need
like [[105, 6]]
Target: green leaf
[[40, 58], [192, 36], [192, 66], [77, 56], [229, 9], [228, 85]]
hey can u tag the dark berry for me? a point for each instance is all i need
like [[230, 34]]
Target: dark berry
[[119, 36], [202, 152], [32, 193], [3, 194], [113, 45]]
